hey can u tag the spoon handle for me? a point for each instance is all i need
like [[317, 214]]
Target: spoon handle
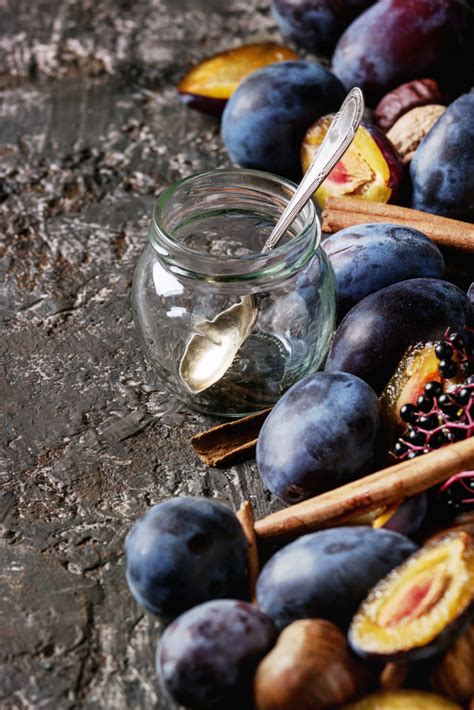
[[337, 140]]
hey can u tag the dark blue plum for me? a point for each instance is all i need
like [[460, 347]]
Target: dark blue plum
[[265, 119], [327, 574], [183, 552], [207, 657], [396, 40], [323, 432], [442, 167], [368, 257], [372, 337], [316, 25]]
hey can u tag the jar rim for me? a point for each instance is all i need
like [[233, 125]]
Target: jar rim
[[172, 250]]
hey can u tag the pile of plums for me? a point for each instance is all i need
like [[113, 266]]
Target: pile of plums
[[325, 603], [407, 57]]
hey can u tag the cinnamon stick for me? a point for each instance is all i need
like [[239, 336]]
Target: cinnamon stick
[[230, 442], [381, 488], [245, 515], [342, 212]]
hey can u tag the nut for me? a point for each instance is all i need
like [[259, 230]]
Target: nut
[[408, 132], [419, 92]]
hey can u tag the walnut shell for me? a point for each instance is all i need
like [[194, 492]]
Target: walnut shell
[[419, 92], [408, 132], [310, 668], [453, 675]]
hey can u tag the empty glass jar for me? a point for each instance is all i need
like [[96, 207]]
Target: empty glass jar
[[205, 238]]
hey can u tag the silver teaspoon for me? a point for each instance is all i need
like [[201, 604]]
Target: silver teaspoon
[[211, 350]]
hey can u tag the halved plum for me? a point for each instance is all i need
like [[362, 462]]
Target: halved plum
[[403, 700], [208, 85], [418, 366], [370, 168], [421, 605]]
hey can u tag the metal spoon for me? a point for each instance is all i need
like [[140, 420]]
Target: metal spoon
[[212, 348]]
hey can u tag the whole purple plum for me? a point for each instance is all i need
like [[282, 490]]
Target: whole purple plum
[[327, 574], [368, 257], [316, 25], [185, 551], [265, 119], [398, 40], [372, 337], [208, 656], [442, 167], [323, 432]]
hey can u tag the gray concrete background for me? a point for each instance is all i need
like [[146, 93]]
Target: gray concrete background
[[91, 130]]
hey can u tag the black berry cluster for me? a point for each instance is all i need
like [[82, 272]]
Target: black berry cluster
[[444, 413]]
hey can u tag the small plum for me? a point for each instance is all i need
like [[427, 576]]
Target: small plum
[[373, 336], [441, 169], [370, 169], [316, 25], [327, 574], [368, 257], [267, 116], [208, 656], [185, 551], [323, 432], [395, 41]]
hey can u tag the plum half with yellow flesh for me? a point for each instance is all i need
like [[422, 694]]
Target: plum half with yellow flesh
[[419, 607], [207, 86], [370, 168]]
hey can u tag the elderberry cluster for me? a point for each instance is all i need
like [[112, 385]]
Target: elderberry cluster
[[441, 415]]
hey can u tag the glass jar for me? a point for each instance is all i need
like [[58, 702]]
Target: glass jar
[[206, 235]]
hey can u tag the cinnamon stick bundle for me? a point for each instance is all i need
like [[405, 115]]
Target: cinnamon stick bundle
[[381, 488], [342, 212]]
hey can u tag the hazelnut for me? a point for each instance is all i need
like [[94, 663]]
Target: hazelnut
[[419, 92], [453, 674], [311, 666], [410, 129]]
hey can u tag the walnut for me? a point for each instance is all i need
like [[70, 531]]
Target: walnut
[[419, 92], [408, 132]]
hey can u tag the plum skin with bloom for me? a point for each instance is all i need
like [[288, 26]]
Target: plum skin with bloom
[[372, 337], [323, 432], [185, 551], [208, 656], [369, 257], [441, 169], [327, 574], [265, 119]]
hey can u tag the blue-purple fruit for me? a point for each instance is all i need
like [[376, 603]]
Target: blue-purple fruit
[[267, 116], [405, 518], [373, 336], [441, 169], [420, 606], [316, 25], [327, 574], [395, 41], [185, 551], [207, 657], [323, 432], [368, 257]]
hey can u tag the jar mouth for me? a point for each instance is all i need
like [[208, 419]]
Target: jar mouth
[[182, 202]]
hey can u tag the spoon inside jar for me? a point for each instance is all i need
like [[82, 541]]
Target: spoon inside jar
[[213, 346]]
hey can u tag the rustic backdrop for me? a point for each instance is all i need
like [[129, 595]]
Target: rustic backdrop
[[91, 130]]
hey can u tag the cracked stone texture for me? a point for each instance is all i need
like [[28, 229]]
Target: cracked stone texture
[[91, 130]]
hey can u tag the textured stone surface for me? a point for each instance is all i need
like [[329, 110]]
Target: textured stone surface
[[90, 132]]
